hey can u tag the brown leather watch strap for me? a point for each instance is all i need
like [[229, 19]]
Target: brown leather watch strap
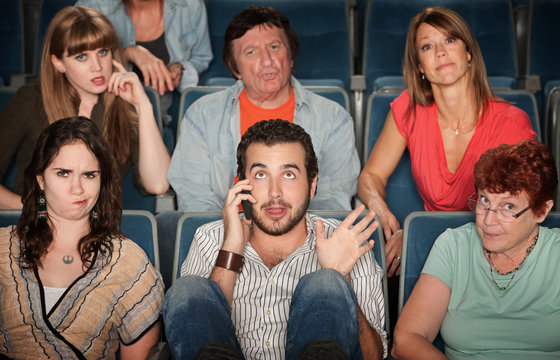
[[229, 261]]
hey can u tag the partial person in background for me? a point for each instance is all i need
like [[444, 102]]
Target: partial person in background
[[447, 118], [81, 74], [260, 49], [492, 288], [167, 41], [72, 286]]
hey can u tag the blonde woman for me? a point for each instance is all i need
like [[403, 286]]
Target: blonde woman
[[82, 74]]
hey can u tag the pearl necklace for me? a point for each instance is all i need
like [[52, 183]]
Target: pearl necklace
[[514, 271]]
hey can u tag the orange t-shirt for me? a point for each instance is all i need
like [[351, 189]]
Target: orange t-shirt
[[251, 113]]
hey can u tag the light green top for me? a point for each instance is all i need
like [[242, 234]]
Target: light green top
[[483, 322]]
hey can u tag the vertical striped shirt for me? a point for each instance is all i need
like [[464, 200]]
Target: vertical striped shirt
[[262, 296]]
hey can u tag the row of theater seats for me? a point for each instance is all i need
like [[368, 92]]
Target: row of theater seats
[[351, 29], [327, 30], [402, 194], [355, 44], [420, 230]]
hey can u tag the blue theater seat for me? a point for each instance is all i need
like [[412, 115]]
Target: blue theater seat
[[322, 27], [543, 55], [401, 191], [387, 25]]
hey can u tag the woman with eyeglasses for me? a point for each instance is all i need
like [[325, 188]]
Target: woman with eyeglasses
[[491, 288]]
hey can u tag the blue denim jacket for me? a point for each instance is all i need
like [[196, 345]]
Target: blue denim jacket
[[186, 33], [204, 166]]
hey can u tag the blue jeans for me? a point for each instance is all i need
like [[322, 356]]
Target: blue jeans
[[195, 312]]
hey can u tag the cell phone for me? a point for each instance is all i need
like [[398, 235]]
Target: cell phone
[[246, 204]]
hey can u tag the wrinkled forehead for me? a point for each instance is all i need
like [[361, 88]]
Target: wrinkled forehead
[[260, 34]]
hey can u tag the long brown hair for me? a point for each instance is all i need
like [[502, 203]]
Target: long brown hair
[[72, 30], [450, 23], [36, 235]]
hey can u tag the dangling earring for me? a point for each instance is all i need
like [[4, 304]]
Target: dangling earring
[[423, 77], [94, 216], [41, 207], [469, 64]]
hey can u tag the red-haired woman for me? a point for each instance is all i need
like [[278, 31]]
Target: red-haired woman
[[492, 288]]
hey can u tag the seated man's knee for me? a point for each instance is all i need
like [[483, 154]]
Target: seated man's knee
[[324, 283], [186, 294]]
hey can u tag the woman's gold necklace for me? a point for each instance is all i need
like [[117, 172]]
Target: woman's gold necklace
[[514, 271]]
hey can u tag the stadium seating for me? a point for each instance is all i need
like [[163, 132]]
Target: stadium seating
[[322, 27], [543, 54], [387, 25]]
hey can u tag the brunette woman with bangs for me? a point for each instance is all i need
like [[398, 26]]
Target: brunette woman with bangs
[[82, 74], [72, 286], [447, 118], [491, 288]]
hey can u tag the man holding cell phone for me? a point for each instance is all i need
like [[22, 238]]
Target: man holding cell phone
[[286, 283]]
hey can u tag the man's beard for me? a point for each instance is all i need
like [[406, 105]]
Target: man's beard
[[281, 226]]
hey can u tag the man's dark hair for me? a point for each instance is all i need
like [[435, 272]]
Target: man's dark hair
[[247, 19], [272, 132]]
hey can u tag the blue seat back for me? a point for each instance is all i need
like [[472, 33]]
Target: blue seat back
[[543, 52], [48, 10], [526, 102], [402, 195], [9, 217], [420, 230], [11, 32], [387, 25], [139, 226], [323, 31], [334, 93], [133, 198], [166, 133], [188, 223]]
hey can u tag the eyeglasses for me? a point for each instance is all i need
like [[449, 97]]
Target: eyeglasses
[[481, 206]]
